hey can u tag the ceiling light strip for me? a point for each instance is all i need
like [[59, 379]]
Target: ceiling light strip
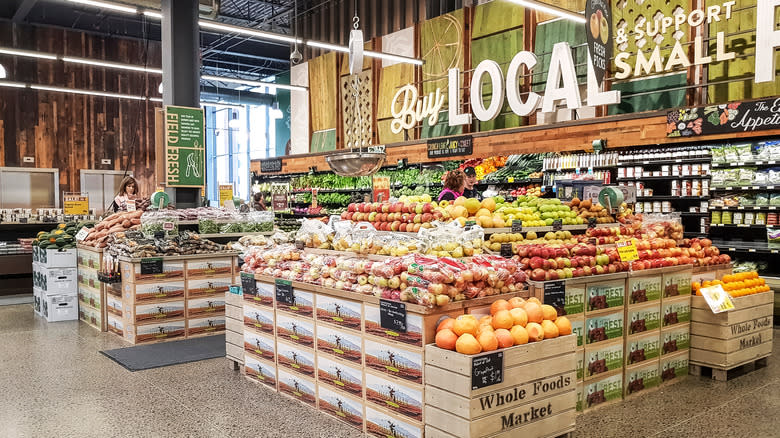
[[208, 24], [12, 84], [86, 92], [552, 10], [253, 83], [112, 6], [27, 53], [109, 64]]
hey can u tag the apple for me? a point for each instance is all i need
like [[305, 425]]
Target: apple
[[402, 228], [418, 218], [427, 217], [595, 25], [537, 275]]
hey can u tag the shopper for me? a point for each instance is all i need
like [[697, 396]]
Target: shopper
[[258, 202], [471, 180], [128, 191], [454, 184]]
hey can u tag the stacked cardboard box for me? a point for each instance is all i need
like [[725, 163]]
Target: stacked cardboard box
[[92, 293], [55, 279]]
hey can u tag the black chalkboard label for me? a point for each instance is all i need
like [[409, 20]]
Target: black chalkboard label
[[487, 370], [557, 225], [248, 284], [392, 315], [271, 165], [591, 222], [506, 250], [517, 226], [450, 147], [284, 292], [555, 295], [152, 265]]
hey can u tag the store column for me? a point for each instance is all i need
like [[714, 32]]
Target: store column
[[181, 71]]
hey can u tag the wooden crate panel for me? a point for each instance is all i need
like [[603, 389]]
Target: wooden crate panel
[[235, 353], [260, 370], [735, 316], [205, 326], [393, 360], [643, 347], [675, 311], [297, 387], [234, 338], [541, 418], [259, 318], [382, 424], [295, 329], [736, 329], [343, 344], [200, 307], [603, 357], [302, 305], [735, 344], [216, 267], [645, 288], [340, 406], [338, 311], [234, 299], [259, 345], [208, 287], [675, 338], [340, 375], [234, 312], [400, 398], [643, 318], [264, 296], [642, 376], [296, 359], [131, 272]]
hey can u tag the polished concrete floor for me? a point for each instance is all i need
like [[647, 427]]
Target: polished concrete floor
[[56, 383]]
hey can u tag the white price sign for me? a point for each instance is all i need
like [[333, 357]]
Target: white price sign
[[82, 234], [717, 298]]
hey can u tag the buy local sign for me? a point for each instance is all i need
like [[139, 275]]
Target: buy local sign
[[562, 89]]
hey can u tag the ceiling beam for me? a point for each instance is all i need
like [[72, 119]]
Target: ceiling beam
[[23, 9], [250, 56]]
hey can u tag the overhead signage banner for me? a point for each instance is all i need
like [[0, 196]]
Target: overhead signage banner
[[450, 147], [599, 32], [718, 119], [185, 147]]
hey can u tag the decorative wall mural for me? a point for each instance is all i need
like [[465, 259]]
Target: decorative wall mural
[[357, 132]]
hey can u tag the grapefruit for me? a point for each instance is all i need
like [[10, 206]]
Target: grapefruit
[[465, 324], [564, 325], [505, 338], [534, 311], [550, 329], [488, 341], [489, 204], [459, 201], [503, 320], [446, 339], [535, 332], [499, 305], [472, 205], [519, 317], [446, 323], [467, 344], [519, 334], [549, 312], [516, 302]]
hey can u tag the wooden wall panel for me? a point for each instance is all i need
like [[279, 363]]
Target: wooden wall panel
[[323, 91], [72, 132]]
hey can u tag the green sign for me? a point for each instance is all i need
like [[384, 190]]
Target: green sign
[[185, 147]]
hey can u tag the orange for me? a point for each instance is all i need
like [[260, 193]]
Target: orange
[[503, 319], [519, 317], [550, 329], [489, 203], [516, 302], [487, 319], [534, 300], [467, 344], [499, 305], [549, 312], [534, 311], [519, 334], [535, 332], [446, 339], [488, 341], [564, 325], [447, 323], [465, 324], [505, 338], [484, 327]]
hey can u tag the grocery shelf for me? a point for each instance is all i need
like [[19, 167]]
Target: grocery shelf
[[232, 235], [694, 213], [747, 207], [694, 234], [671, 198], [747, 187], [741, 246], [737, 226], [416, 184], [568, 169], [516, 182], [746, 163], [661, 162], [365, 189], [661, 178], [582, 227]]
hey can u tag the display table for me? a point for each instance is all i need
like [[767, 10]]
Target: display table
[[170, 297]]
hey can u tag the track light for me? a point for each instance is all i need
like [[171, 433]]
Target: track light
[[247, 31], [552, 10], [253, 83], [27, 53], [112, 6], [12, 84], [112, 65], [87, 92]]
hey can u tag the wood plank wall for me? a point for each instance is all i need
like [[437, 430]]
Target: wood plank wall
[[69, 131]]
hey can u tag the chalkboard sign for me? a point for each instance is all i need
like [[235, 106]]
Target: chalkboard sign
[[487, 370], [152, 266], [517, 226], [591, 222], [248, 284], [506, 250], [271, 165], [284, 292], [557, 225], [555, 295], [392, 315], [450, 147]]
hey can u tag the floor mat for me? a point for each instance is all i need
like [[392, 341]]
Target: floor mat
[[163, 354]]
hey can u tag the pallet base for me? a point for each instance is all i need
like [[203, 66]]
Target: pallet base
[[723, 375]]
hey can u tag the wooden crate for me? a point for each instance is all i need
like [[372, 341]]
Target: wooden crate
[[539, 380], [730, 339]]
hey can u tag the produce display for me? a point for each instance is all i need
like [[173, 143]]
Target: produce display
[[287, 224], [418, 279], [216, 221], [587, 209], [512, 322], [329, 181], [517, 167], [122, 221], [736, 285], [61, 237], [135, 244], [529, 190]]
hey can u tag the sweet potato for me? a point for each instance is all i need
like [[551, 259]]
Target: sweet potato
[[135, 221], [126, 223]]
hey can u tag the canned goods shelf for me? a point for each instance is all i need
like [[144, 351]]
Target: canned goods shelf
[[747, 207], [662, 178], [746, 163], [740, 246], [747, 187], [702, 160], [672, 198]]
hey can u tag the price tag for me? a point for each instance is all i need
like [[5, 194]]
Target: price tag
[[517, 226], [152, 265], [627, 251], [248, 284], [284, 292], [235, 290], [82, 234], [392, 315], [555, 295], [717, 298], [506, 250], [469, 225], [168, 226], [511, 179], [591, 222], [130, 204], [557, 225], [487, 370]]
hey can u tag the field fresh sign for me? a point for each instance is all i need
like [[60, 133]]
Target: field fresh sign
[[561, 87], [185, 147]]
